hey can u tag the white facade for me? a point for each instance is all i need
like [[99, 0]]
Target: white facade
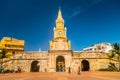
[[102, 47]]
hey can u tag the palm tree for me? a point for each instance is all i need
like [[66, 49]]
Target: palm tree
[[3, 54], [115, 53]]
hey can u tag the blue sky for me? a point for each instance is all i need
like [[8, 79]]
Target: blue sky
[[88, 21]]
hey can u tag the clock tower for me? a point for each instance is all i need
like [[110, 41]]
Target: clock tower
[[60, 41]]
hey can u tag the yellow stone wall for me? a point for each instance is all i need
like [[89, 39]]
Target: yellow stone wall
[[12, 45], [47, 60]]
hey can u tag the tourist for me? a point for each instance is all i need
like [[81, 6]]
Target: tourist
[[59, 69], [63, 69], [1, 69], [79, 70], [45, 70], [69, 70], [19, 69], [15, 70]]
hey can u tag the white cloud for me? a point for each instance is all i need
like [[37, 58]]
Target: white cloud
[[81, 8]]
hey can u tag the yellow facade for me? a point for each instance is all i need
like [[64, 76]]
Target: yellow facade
[[12, 45]]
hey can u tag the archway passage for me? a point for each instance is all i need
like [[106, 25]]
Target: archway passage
[[60, 64], [34, 66], [85, 65]]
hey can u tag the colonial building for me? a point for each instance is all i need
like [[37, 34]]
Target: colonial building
[[102, 47], [59, 57], [12, 45]]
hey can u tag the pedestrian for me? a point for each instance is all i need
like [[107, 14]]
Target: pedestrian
[[79, 70], [1, 69], [45, 70], [15, 70], [69, 70], [19, 69], [63, 69]]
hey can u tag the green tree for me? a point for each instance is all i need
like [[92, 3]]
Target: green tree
[[3, 54], [115, 53]]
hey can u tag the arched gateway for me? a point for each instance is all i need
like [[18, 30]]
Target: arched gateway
[[60, 64], [34, 66], [85, 65]]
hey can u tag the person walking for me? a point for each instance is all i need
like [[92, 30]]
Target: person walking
[[19, 69], [1, 69], [79, 70], [69, 70]]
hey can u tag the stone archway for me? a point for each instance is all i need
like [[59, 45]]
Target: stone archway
[[34, 66], [85, 65], [60, 64]]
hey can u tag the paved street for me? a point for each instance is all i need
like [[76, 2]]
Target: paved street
[[61, 76]]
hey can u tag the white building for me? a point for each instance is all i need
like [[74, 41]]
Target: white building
[[102, 47]]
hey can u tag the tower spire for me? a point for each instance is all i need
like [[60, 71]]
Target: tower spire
[[60, 41], [59, 14], [60, 20]]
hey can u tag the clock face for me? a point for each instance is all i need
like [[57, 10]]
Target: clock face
[[60, 32]]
